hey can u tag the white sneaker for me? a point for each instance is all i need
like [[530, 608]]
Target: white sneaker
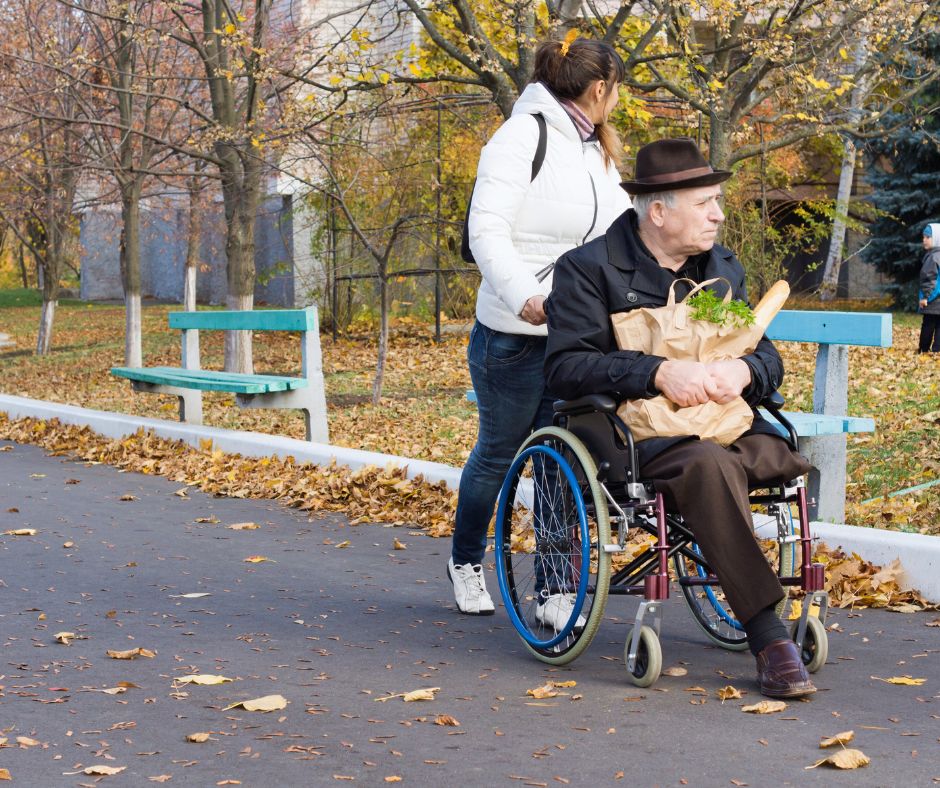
[[555, 612], [470, 589]]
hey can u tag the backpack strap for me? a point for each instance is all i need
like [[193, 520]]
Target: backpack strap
[[539, 157]]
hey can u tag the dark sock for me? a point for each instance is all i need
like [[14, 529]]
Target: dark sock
[[764, 628]]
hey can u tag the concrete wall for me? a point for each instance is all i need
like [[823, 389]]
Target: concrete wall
[[163, 253]]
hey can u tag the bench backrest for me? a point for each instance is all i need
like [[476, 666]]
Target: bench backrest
[[832, 328], [260, 320]]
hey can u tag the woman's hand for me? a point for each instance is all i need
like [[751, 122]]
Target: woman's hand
[[923, 303], [534, 310]]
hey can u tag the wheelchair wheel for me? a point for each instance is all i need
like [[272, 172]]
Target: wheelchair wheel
[[649, 658], [551, 525], [708, 605], [815, 649]]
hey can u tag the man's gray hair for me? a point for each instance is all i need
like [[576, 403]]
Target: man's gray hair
[[643, 202]]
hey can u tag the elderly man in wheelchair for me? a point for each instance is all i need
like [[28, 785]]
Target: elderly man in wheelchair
[[579, 493]]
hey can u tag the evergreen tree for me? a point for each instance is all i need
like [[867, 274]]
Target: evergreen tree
[[904, 173]]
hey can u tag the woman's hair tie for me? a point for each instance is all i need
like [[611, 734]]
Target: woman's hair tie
[[569, 38]]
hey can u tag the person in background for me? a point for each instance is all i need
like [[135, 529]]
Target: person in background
[[928, 299], [517, 227]]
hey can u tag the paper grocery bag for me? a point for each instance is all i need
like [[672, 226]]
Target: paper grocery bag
[[671, 332]]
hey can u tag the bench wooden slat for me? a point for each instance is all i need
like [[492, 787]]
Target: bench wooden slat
[[210, 380], [832, 328], [262, 320], [811, 425]]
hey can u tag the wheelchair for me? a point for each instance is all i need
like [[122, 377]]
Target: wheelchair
[[575, 517]]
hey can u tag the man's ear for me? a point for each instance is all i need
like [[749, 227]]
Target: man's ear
[[657, 213]]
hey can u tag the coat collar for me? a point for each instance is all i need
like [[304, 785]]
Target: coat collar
[[627, 252]]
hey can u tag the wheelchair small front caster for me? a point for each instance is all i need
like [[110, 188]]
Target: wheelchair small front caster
[[815, 649], [649, 658]]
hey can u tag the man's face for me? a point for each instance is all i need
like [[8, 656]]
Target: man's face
[[928, 242], [691, 226]]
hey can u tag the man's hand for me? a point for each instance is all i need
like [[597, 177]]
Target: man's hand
[[729, 378], [923, 303], [534, 310], [686, 383]]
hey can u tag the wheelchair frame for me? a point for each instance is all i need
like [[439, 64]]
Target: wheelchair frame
[[596, 485]]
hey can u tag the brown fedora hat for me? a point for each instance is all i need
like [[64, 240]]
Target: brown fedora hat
[[671, 164]]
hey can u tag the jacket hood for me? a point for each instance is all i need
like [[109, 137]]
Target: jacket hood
[[934, 235], [538, 98]]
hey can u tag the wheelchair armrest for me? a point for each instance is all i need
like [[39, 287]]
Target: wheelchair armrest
[[593, 403], [773, 401]]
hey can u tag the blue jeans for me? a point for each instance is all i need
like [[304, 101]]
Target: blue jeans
[[506, 370]]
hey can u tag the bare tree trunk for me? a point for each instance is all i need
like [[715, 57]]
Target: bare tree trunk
[[50, 296], [192, 246], [833, 267], [830, 281], [21, 259], [46, 317], [130, 273], [240, 251], [383, 338]]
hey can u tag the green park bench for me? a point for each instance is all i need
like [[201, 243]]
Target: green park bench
[[823, 431], [187, 382]]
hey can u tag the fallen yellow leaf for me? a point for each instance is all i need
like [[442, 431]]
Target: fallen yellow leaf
[[343, 544], [729, 693], [399, 545], [244, 526], [128, 498], [545, 691], [202, 678], [103, 770], [25, 741], [21, 532], [5, 775], [132, 653], [843, 759], [796, 610], [198, 738], [190, 596], [258, 559], [420, 694], [904, 680], [393, 778], [765, 707], [447, 721], [565, 683], [161, 778], [267, 703], [183, 492], [68, 544], [840, 738], [675, 671], [65, 637]]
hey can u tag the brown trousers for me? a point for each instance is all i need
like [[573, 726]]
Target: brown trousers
[[708, 484]]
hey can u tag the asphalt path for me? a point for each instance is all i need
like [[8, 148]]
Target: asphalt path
[[338, 620]]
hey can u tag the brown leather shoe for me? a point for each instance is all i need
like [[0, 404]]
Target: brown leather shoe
[[780, 671]]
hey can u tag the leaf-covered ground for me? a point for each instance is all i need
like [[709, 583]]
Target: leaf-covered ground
[[424, 413]]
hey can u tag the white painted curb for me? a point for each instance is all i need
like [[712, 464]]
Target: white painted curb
[[248, 444], [919, 554]]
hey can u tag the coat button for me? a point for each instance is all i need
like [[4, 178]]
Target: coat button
[[631, 297]]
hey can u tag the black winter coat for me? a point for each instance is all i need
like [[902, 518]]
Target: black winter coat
[[616, 273]]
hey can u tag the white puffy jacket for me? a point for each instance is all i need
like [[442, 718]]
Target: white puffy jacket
[[517, 228]]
